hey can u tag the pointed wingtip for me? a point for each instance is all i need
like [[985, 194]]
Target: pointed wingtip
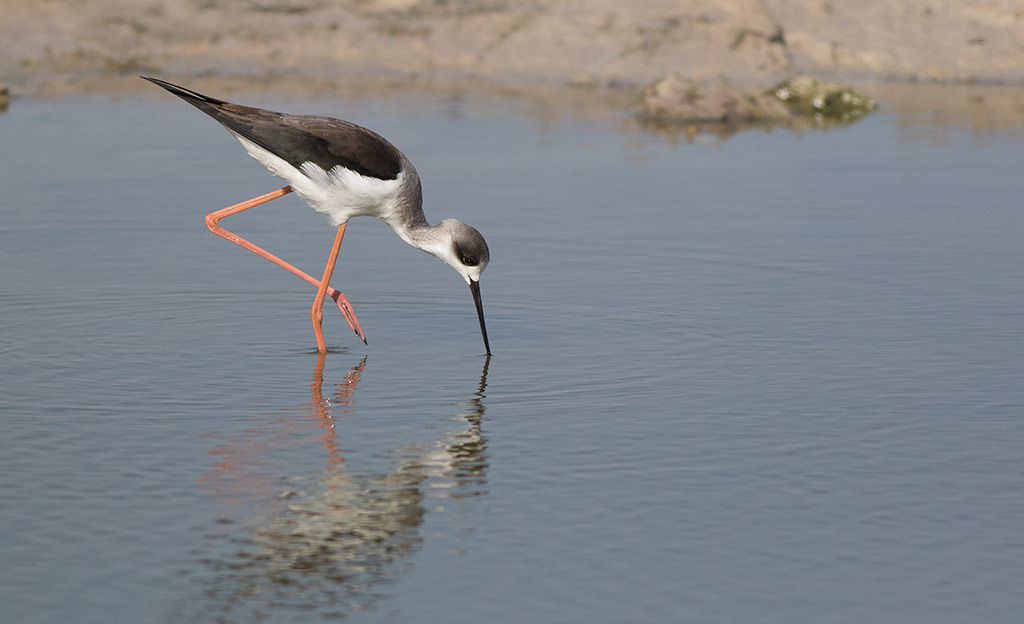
[[157, 81], [194, 98]]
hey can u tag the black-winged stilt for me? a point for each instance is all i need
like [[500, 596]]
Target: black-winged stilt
[[342, 170]]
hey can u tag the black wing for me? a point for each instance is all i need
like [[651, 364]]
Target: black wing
[[298, 139]]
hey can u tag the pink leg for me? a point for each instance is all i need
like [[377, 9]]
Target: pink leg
[[316, 313], [212, 222]]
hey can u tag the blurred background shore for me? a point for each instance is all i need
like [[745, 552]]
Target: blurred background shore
[[914, 55]]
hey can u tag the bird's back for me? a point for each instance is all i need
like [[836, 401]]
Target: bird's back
[[297, 139]]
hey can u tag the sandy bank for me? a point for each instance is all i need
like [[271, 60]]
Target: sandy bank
[[598, 42], [607, 49]]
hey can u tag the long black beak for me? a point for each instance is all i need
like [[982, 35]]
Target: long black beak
[[474, 287]]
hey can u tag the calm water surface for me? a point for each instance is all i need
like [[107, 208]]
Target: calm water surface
[[778, 378]]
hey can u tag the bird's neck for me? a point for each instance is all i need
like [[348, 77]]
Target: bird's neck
[[406, 218], [432, 239], [408, 222]]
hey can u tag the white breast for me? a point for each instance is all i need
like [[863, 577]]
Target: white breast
[[339, 193]]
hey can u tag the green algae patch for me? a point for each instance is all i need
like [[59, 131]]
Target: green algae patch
[[822, 101]]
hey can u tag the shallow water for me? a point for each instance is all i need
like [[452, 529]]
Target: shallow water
[[775, 378]]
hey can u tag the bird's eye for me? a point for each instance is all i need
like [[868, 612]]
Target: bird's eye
[[466, 260]]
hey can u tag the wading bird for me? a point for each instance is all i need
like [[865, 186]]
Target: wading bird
[[341, 170]]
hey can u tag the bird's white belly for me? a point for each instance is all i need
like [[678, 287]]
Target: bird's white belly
[[339, 193]]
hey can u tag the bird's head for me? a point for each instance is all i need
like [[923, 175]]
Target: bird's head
[[463, 248]]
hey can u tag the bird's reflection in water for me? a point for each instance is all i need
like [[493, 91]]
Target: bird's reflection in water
[[331, 542]]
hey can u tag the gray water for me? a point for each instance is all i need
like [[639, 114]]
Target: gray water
[[777, 378]]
